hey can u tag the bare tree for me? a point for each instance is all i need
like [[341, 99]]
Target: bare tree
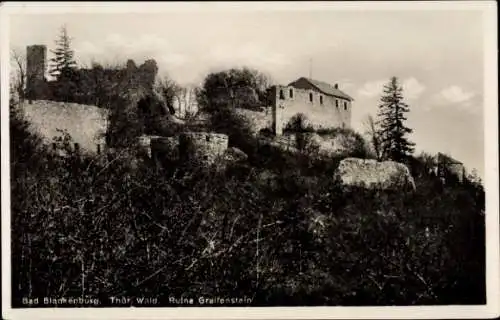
[[168, 90], [18, 76], [373, 137], [185, 102]]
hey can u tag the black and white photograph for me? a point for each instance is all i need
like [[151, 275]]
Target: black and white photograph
[[217, 160]]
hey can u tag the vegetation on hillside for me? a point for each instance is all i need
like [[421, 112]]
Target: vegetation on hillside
[[277, 229]]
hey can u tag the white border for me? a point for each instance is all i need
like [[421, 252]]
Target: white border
[[491, 180]]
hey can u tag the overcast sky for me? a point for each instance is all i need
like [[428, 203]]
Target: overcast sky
[[438, 56]]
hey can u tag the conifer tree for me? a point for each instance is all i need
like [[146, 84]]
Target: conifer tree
[[392, 130], [63, 60]]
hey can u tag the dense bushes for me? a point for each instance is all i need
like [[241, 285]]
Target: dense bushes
[[98, 227]]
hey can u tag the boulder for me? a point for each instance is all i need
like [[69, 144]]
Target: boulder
[[372, 174]]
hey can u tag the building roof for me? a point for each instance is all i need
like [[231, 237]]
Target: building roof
[[444, 158], [326, 88]]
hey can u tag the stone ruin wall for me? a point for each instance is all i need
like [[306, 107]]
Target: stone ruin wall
[[204, 147], [85, 124], [131, 80], [258, 119]]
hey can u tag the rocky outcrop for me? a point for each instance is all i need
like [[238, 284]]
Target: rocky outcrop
[[354, 172], [338, 144]]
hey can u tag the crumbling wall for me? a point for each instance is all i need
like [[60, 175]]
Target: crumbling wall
[[200, 147], [85, 124], [203, 146], [89, 85], [164, 150], [258, 119]]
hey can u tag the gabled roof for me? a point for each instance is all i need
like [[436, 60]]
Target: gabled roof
[[444, 158], [325, 88]]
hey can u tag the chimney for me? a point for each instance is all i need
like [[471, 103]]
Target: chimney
[[336, 86]]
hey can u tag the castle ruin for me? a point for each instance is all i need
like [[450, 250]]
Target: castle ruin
[[36, 66]]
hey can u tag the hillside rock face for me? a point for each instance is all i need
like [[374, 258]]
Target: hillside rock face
[[373, 174], [340, 144], [329, 145]]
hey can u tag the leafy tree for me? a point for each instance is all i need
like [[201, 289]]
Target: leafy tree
[[236, 88], [18, 77], [474, 177], [125, 123], [168, 89], [298, 123], [63, 55], [392, 130], [68, 87], [299, 126]]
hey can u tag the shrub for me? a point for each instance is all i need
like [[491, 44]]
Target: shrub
[[298, 124], [238, 128]]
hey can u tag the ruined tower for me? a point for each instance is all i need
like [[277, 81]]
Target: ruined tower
[[36, 60]]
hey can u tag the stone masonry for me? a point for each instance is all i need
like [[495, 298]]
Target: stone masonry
[[203, 147], [325, 106]]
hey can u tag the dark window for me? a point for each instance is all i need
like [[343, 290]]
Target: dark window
[[291, 93], [345, 105], [321, 99], [336, 103], [207, 138], [310, 97], [282, 95], [77, 147], [343, 125], [98, 149]]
